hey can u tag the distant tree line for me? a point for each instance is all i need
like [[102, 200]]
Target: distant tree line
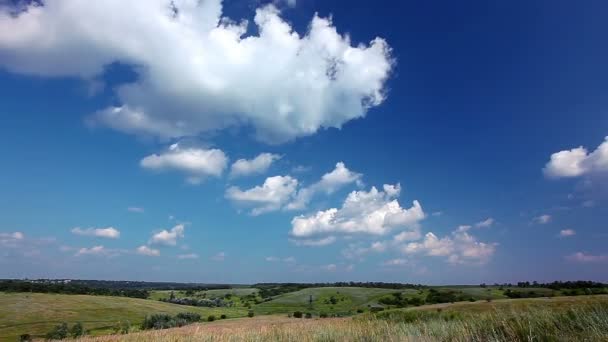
[[68, 288]]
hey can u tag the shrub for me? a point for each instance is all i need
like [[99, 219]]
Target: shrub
[[223, 316], [77, 330], [297, 314], [323, 315], [189, 316], [125, 327], [25, 338], [211, 318], [376, 309], [359, 310], [308, 315], [59, 332], [158, 321], [250, 313]]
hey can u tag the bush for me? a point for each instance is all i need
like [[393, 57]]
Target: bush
[[376, 309], [158, 321], [308, 315], [211, 318], [250, 313], [359, 310], [25, 338], [297, 314], [189, 316], [223, 316], [77, 330], [323, 315], [125, 327], [59, 332]]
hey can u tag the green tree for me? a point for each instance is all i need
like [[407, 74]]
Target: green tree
[[77, 330]]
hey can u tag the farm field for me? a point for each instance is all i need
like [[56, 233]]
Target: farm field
[[559, 318], [37, 313], [347, 300]]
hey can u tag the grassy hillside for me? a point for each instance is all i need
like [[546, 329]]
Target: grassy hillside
[[244, 291], [37, 313], [346, 299], [555, 319]]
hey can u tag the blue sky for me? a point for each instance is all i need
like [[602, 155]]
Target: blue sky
[[170, 144]]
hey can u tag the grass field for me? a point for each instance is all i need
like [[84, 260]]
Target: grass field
[[555, 319], [349, 299], [36, 313], [164, 294]]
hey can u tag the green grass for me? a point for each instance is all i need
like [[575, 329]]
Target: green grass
[[556, 319], [164, 294], [37, 313], [349, 300]]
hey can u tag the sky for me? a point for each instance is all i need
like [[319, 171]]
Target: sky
[[433, 142]]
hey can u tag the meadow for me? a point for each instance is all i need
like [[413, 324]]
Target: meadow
[[555, 319], [335, 312], [37, 313]]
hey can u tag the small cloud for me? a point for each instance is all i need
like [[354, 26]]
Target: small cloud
[[395, 262], [588, 204], [188, 256], [542, 219], [147, 251], [583, 257], [168, 237], [221, 256], [136, 209], [257, 165], [109, 232], [314, 242], [196, 163], [485, 224], [98, 251], [329, 267], [437, 213], [567, 232]]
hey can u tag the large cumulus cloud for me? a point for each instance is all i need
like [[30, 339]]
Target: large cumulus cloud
[[199, 71]]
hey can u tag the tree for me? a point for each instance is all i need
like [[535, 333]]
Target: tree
[[59, 332], [77, 330]]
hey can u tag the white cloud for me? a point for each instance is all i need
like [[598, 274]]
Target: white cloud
[[587, 258], [410, 235], [257, 165], [567, 232], [374, 212], [577, 162], [272, 195], [135, 209], [329, 267], [109, 232], [221, 256], [431, 245], [459, 248], [198, 71], [98, 251], [147, 251], [288, 260], [9, 238], [168, 237], [188, 256], [395, 262], [437, 213], [542, 219], [485, 224], [196, 163], [314, 242], [329, 183]]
